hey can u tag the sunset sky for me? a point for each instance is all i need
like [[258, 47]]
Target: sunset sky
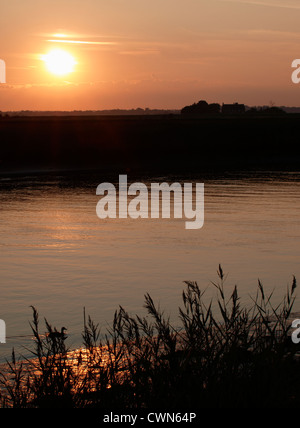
[[155, 54]]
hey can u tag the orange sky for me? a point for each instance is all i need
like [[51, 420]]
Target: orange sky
[[158, 54]]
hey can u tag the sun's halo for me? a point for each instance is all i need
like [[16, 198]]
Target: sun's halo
[[59, 62]]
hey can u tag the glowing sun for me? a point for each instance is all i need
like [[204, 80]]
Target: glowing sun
[[59, 62]]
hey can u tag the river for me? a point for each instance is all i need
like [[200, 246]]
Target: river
[[59, 256]]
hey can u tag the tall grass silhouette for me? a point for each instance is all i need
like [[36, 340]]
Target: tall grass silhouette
[[231, 356]]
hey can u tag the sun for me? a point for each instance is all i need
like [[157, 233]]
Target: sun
[[59, 62]]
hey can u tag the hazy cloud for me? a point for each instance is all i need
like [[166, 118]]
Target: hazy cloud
[[80, 42]]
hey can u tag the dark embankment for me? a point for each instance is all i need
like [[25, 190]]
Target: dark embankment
[[167, 143]]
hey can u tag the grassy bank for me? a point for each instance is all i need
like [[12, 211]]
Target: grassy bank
[[233, 357]]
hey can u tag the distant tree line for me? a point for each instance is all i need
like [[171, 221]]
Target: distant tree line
[[277, 111], [204, 108]]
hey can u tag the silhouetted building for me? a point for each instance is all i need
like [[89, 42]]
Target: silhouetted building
[[233, 108]]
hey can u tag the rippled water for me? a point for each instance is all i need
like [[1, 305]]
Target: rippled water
[[57, 255]]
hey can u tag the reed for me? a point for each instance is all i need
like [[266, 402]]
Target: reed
[[232, 356]]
